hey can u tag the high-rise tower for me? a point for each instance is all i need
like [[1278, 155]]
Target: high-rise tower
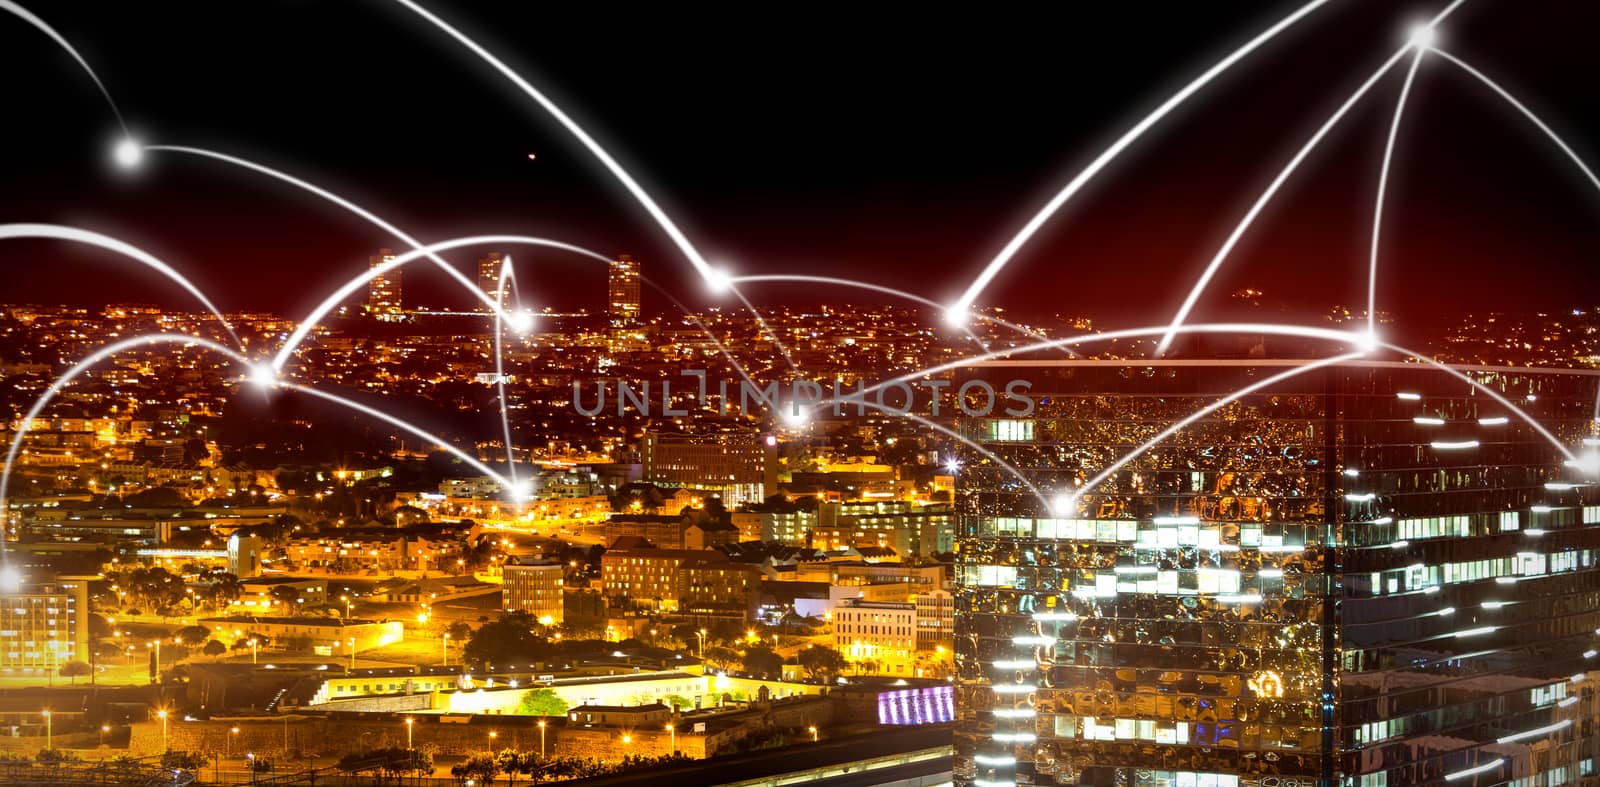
[[489, 270], [383, 289], [622, 292], [1367, 575]]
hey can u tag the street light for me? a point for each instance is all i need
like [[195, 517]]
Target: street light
[[813, 730], [492, 736], [541, 739], [409, 721], [49, 732], [702, 635], [346, 600], [253, 644], [162, 715], [352, 654], [444, 649], [674, 732], [232, 733]]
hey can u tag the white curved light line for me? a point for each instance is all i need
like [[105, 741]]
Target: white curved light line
[[500, 380], [765, 328], [1542, 126], [91, 238], [690, 316], [929, 302], [1324, 334], [1267, 195], [1283, 176], [1186, 421], [1128, 138], [25, 426], [404, 426], [340, 295], [1383, 185], [341, 202], [954, 435], [28, 16], [639, 194]]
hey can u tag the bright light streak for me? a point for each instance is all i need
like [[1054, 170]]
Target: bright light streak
[[1533, 531], [310, 322], [127, 153], [1567, 703], [1266, 197], [1589, 654], [521, 321], [1454, 445], [831, 280], [577, 131], [263, 376], [1495, 421], [1474, 771], [1383, 177], [1493, 604], [964, 303], [794, 415], [1422, 37], [1055, 617], [1505, 580], [1474, 632], [1240, 598], [1401, 544], [39, 24], [1014, 713], [1013, 737], [1428, 421], [1352, 472], [1034, 640], [1270, 573], [1409, 396], [1176, 520], [1383, 520], [91, 238], [1015, 688], [1185, 422], [1446, 612], [1133, 570], [1064, 504], [987, 759], [718, 281], [1017, 665], [1360, 497], [1540, 509], [349, 206]]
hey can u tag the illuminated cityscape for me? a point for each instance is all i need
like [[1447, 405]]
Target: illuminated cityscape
[[1208, 399]]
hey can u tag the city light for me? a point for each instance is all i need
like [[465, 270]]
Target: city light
[[127, 153]]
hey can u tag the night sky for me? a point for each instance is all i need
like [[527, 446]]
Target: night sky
[[892, 144]]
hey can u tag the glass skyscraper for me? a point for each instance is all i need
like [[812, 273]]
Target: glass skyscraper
[[1372, 574]]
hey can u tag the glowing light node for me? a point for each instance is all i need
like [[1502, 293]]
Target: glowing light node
[[957, 316], [521, 321], [128, 154], [263, 376], [1423, 36], [718, 281], [1064, 504]]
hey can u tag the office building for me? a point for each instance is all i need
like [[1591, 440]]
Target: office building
[[877, 637], [622, 292], [489, 271], [383, 289], [1366, 575], [535, 588], [738, 466], [43, 625]]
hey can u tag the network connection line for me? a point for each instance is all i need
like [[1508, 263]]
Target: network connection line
[[959, 309], [326, 307], [92, 238], [500, 383], [1542, 126], [352, 207], [1421, 38], [577, 131], [404, 426], [765, 328], [72, 373], [1266, 198], [1383, 185], [43, 27], [1194, 417]]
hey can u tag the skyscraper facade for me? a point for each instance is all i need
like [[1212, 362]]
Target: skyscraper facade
[[383, 289], [1367, 575], [489, 269], [622, 292]]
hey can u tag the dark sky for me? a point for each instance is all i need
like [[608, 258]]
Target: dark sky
[[896, 144]]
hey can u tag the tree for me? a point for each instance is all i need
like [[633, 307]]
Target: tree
[[193, 634], [480, 767], [723, 658], [286, 595], [822, 663], [542, 702], [762, 661], [460, 631], [184, 760], [678, 702], [75, 669], [215, 648], [509, 640]]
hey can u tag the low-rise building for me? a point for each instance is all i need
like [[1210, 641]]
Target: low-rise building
[[537, 589], [878, 637]]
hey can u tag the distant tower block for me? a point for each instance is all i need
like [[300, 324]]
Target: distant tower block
[[383, 290], [489, 280], [622, 291]]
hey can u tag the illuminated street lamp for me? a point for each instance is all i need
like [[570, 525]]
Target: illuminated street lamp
[[444, 648], [352, 642], [701, 634], [673, 731], [541, 739], [253, 645], [409, 722], [492, 735], [162, 715], [347, 606], [813, 730], [232, 734], [49, 732]]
